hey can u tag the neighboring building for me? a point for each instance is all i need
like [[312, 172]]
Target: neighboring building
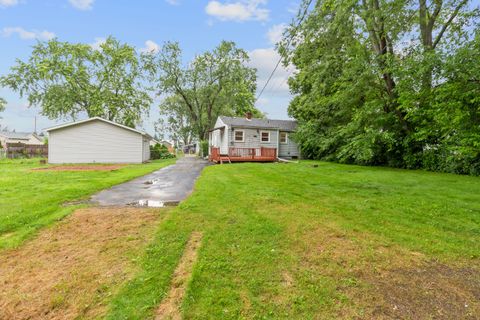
[[97, 140], [167, 144], [20, 137], [251, 139], [153, 142]]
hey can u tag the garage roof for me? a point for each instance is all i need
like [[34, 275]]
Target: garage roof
[[65, 125]]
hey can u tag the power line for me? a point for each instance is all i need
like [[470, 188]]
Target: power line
[[304, 14]]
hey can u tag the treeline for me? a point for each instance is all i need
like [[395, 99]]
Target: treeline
[[115, 81], [393, 83]]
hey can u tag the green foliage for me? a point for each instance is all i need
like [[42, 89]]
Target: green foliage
[[66, 79], [3, 102], [320, 225], [175, 121], [217, 82], [204, 148], [23, 211], [375, 86], [159, 151]]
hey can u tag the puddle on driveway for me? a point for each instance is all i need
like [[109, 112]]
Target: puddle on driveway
[[153, 181], [153, 203]]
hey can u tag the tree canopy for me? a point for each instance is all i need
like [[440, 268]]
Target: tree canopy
[[217, 82], [66, 79], [388, 83], [176, 121], [3, 102]]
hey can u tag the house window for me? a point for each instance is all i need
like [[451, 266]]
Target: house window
[[238, 135], [283, 137], [265, 136]]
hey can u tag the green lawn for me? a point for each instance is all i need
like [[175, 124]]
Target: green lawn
[[312, 240], [294, 241], [32, 199]]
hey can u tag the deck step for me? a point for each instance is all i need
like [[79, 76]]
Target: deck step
[[225, 158]]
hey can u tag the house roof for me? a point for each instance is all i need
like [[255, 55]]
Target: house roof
[[65, 125], [16, 135], [282, 125]]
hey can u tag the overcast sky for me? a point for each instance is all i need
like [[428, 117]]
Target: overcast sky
[[255, 25]]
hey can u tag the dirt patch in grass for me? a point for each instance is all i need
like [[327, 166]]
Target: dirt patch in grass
[[82, 168], [70, 270], [170, 306], [382, 281], [428, 291]]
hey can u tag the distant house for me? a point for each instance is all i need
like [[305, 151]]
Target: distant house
[[97, 140], [20, 137], [153, 142], [166, 143], [252, 139]]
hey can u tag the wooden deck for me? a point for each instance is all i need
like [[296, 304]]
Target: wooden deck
[[243, 155]]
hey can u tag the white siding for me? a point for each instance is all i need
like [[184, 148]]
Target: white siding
[[95, 141], [31, 140], [146, 149], [289, 149], [252, 138], [219, 138]]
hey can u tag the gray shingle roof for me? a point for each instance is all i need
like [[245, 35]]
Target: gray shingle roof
[[16, 135], [282, 125]]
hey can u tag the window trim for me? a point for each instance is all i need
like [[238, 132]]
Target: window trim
[[261, 136], [280, 137], [235, 135]]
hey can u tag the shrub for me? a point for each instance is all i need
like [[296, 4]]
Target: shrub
[[159, 151]]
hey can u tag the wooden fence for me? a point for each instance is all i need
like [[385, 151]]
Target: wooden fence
[[21, 150]]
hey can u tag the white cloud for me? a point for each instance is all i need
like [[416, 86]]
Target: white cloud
[[27, 35], [275, 33], [241, 10], [265, 60], [82, 4], [173, 2], [293, 8], [150, 47], [8, 3], [262, 102], [98, 42]]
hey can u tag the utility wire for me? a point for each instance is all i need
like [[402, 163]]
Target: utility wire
[[304, 14]]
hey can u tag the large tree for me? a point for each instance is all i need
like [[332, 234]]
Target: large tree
[[217, 82], [369, 75], [175, 120], [67, 79]]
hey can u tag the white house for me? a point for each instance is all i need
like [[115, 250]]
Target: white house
[[97, 140], [20, 137], [252, 139]]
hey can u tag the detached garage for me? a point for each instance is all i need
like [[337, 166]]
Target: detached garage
[[97, 140]]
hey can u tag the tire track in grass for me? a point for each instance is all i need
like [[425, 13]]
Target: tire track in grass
[[170, 306]]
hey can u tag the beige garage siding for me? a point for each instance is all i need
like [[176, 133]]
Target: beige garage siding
[[95, 141], [146, 149]]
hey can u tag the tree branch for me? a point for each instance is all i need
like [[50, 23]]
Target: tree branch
[[449, 21]]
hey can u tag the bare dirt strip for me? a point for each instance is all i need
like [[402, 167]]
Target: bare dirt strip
[[69, 270], [170, 306], [81, 168]]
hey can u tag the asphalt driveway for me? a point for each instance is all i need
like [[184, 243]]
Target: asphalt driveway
[[168, 185]]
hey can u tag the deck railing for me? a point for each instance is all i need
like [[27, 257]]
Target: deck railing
[[244, 154]]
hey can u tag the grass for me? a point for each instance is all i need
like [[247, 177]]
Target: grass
[[294, 241], [32, 199]]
